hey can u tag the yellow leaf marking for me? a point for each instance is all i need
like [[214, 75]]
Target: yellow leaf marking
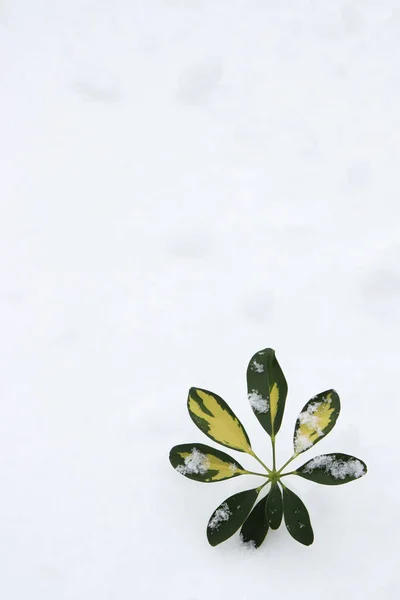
[[273, 402], [222, 426], [313, 422], [224, 469]]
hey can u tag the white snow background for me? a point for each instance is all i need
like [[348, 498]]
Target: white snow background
[[183, 183]]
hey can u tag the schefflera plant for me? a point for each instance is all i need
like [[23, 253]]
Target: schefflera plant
[[267, 391]]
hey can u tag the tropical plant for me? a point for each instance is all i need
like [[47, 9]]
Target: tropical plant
[[267, 391]]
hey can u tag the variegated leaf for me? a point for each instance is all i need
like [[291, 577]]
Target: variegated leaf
[[267, 390], [230, 515], [332, 469], [316, 420], [213, 416], [203, 463]]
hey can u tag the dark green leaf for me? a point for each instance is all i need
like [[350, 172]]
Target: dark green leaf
[[230, 515], [332, 469], [215, 418], [203, 463], [297, 519], [255, 527], [316, 420], [267, 390], [274, 507]]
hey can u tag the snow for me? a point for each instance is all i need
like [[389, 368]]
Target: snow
[[338, 468], [184, 183], [258, 402], [257, 367], [221, 514], [302, 441], [248, 546], [309, 418], [196, 463]]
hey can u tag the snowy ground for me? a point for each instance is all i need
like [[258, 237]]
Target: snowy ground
[[182, 184]]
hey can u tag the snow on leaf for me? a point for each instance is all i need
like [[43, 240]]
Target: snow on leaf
[[258, 403], [257, 367], [338, 468], [196, 463], [221, 514]]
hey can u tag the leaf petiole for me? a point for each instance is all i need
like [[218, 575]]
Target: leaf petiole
[[273, 453], [252, 453], [253, 473], [263, 485], [286, 464]]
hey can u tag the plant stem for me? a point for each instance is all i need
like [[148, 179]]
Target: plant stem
[[263, 485], [273, 453], [260, 461], [286, 463], [286, 474], [253, 473]]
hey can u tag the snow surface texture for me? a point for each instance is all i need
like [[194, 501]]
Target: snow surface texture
[[183, 184], [339, 469]]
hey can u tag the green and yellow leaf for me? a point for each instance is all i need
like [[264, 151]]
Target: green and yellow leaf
[[203, 463], [230, 515], [332, 469], [274, 507], [213, 416], [255, 527], [267, 390], [297, 519], [316, 420]]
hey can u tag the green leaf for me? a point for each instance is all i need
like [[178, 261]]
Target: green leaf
[[230, 515], [255, 527], [203, 463], [297, 519], [267, 390], [332, 469], [213, 416], [274, 507], [316, 420]]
